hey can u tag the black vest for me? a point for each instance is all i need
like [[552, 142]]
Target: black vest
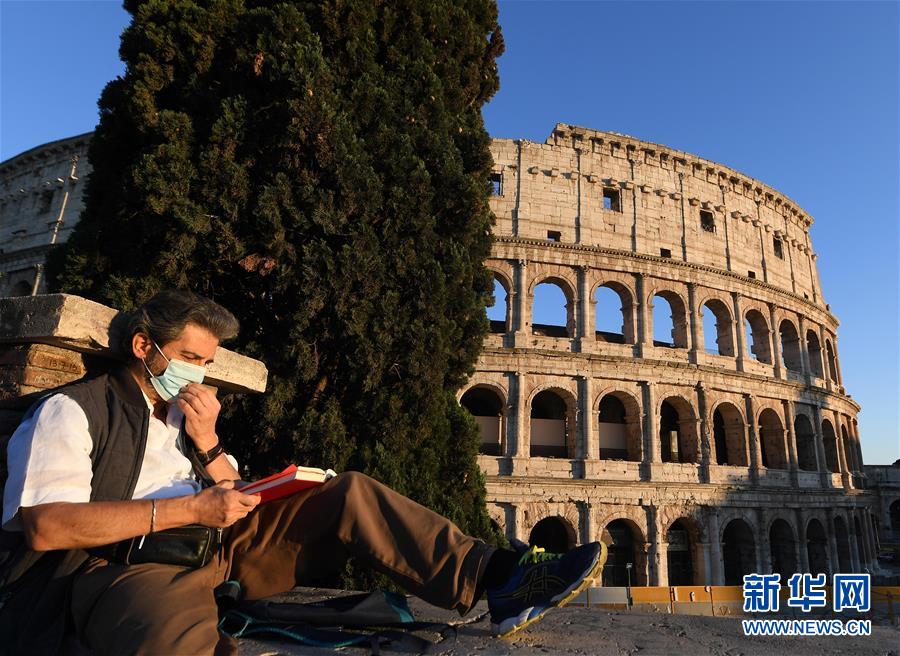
[[34, 586]]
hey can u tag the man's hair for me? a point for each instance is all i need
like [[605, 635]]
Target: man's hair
[[165, 315]]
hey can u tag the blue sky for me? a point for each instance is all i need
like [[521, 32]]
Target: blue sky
[[801, 95]]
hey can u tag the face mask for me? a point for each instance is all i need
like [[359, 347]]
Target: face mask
[[178, 373]]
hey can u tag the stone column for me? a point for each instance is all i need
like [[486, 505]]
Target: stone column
[[519, 532], [703, 555], [522, 322], [833, 552], [520, 447], [583, 324], [755, 459], [802, 547], [651, 427], [821, 462], [586, 520], [704, 429], [776, 344], [763, 547], [843, 465], [590, 443], [804, 350], [792, 442], [855, 556], [693, 312], [738, 323], [644, 316], [656, 574], [715, 548]]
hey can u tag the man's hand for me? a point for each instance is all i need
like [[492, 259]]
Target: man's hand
[[221, 505], [200, 408]]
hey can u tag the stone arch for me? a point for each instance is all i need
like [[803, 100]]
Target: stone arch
[[738, 551], [783, 548], [790, 346], [619, 426], [569, 295], [806, 445], [759, 343], [555, 534], [842, 539], [894, 514], [772, 442], [625, 544], [21, 288], [486, 402], [682, 536], [498, 324], [626, 331], [677, 432], [723, 328], [849, 451], [831, 450], [814, 353], [679, 322], [816, 547], [729, 436], [552, 422]]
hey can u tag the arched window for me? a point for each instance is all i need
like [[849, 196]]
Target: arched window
[[849, 451], [679, 554], [783, 549], [738, 552], [554, 534], [790, 347], [831, 452], [677, 431], [486, 406], [806, 445], [717, 328], [758, 341], [498, 313], [842, 538], [832, 364], [729, 433], [619, 428], [552, 311], [624, 544], [816, 547], [814, 351], [771, 439], [550, 425], [613, 322], [669, 321]]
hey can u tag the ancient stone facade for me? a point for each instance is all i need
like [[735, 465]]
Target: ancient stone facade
[[40, 201], [694, 465]]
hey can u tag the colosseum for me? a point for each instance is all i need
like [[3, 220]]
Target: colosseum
[[695, 464]]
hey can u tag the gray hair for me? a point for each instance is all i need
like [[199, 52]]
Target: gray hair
[[165, 315]]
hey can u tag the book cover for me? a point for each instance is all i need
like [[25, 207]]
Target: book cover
[[292, 480]]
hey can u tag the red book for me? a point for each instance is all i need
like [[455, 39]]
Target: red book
[[283, 484]]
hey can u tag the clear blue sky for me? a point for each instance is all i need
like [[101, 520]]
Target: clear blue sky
[[803, 96]]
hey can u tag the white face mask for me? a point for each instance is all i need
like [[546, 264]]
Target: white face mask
[[178, 373]]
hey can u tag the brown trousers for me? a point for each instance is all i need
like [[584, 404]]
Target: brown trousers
[[162, 609]]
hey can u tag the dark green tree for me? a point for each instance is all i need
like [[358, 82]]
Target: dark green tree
[[319, 168]]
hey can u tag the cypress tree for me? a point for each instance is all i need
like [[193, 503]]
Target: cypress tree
[[319, 168]]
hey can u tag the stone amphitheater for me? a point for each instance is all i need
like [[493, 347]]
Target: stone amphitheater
[[695, 465]]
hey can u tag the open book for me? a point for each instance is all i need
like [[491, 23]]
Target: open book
[[290, 481]]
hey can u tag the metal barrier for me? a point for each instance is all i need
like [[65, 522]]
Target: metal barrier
[[711, 600]]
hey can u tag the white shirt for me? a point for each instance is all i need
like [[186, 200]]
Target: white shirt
[[49, 459]]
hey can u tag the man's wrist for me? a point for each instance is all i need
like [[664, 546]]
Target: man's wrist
[[207, 456]]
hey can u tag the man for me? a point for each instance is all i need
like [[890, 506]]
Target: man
[[102, 471]]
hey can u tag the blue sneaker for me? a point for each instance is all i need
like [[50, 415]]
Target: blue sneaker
[[542, 581]]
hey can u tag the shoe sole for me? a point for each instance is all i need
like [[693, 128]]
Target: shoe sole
[[565, 596]]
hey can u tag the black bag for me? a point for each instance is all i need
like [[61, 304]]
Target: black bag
[[340, 622], [186, 546]]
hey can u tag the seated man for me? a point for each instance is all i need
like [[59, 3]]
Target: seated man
[[103, 469]]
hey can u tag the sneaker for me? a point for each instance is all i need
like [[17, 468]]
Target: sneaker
[[542, 581]]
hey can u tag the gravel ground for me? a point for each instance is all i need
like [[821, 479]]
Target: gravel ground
[[571, 630]]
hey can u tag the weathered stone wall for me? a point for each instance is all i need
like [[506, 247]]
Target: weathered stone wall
[[40, 202], [762, 434]]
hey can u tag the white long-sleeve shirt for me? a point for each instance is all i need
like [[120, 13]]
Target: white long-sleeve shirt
[[49, 459]]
